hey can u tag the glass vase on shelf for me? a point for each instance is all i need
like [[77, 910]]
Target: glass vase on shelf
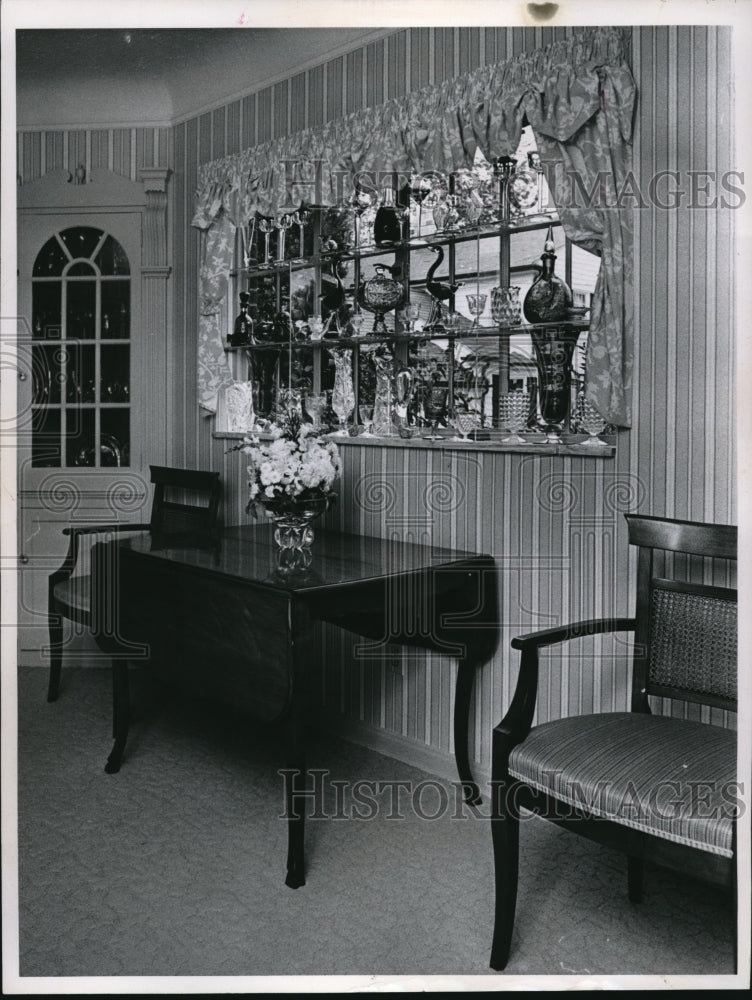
[[343, 393]]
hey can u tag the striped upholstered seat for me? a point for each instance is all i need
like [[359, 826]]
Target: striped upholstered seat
[[668, 777]]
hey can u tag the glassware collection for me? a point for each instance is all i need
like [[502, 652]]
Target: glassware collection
[[351, 388]]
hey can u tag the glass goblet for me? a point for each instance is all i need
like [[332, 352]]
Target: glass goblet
[[356, 324], [365, 412], [315, 404], [409, 316], [590, 421], [475, 305], [514, 410], [343, 403], [266, 225]]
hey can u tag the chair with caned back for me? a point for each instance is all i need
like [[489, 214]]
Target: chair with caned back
[[658, 788], [185, 505]]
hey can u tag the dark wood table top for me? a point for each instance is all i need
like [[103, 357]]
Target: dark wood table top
[[249, 553]]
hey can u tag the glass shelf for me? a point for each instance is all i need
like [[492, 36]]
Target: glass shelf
[[417, 337], [525, 223]]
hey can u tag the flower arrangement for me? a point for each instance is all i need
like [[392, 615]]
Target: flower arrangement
[[293, 472]]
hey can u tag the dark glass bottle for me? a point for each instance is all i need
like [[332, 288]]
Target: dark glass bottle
[[386, 226], [549, 298], [243, 328]]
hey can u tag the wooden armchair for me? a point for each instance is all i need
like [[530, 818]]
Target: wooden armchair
[[657, 788], [69, 593]]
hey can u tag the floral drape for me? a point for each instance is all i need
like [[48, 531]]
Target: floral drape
[[578, 95]]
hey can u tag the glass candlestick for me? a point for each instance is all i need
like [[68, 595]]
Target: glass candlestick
[[282, 224], [301, 218]]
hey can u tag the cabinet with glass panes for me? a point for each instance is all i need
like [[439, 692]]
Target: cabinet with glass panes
[[417, 284], [80, 345]]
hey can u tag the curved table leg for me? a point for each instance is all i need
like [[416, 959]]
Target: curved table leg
[[465, 677]]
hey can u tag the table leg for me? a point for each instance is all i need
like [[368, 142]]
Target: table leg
[[120, 714], [295, 784], [465, 677]]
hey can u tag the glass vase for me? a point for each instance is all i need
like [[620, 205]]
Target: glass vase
[[554, 348]]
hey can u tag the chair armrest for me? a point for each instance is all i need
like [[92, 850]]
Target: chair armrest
[[516, 724], [65, 570], [575, 630]]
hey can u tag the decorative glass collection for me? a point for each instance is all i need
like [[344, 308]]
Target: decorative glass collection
[[431, 213]]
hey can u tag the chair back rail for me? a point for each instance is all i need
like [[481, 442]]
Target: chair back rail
[[185, 500]]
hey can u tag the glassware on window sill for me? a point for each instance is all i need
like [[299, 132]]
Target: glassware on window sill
[[365, 412], [316, 404], [588, 419], [465, 421], [514, 410], [435, 408], [554, 347]]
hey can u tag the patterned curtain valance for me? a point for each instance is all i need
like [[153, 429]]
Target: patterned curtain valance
[[557, 88], [578, 95]]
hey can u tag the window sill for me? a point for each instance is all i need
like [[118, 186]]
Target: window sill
[[572, 446]]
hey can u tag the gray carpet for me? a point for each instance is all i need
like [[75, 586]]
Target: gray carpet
[[175, 866]]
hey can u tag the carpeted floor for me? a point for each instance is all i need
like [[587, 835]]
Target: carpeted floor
[[175, 866]]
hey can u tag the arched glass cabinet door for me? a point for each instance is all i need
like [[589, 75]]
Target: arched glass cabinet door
[[81, 351]]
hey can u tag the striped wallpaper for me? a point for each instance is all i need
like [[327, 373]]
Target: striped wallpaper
[[555, 525]]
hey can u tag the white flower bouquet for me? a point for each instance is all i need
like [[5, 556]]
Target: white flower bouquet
[[294, 472]]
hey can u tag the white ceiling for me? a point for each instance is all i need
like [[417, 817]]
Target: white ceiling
[[94, 77]]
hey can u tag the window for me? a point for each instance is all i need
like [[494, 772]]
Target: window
[[469, 234], [81, 319]]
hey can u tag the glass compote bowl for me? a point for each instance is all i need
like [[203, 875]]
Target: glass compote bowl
[[465, 421], [590, 421], [365, 412], [315, 404], [267, 227], [475, 305], [514, 409]]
